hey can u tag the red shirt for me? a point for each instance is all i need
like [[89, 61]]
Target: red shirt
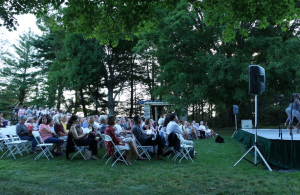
[[109, 146]]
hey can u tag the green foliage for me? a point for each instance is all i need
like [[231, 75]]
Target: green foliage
[[232, 14], [20, 72]]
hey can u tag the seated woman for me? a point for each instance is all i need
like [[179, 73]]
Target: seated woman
[[48, 136], [192, 130], [119, 130], [185, 133], [64, 121], [79, 138], [209, 132], [148, 140], [147, 124], [110, 130], [59, 128], [2, 125]]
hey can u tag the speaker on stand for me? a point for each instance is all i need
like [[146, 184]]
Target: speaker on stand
[[235, 112], [256, 87]]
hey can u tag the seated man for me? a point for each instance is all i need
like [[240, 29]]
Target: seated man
[[148, 140], [202, 130], [173, 127], [25, 134]]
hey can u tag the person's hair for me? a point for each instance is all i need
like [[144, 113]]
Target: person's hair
[[166, 121], [70, 121], [137, 119], [182, 122], [172, 116], [91, 118], [40, 121], [147, 121], [102, 117], [111, 120], [56, 118], [23, 117], [161, 121]]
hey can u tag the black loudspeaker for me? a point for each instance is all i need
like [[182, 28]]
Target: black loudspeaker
[[235, 109], [257, 80], [219, 139]]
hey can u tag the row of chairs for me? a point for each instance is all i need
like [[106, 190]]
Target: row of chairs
[[16, 146]]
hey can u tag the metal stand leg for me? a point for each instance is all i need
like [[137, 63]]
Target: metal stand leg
[[235, 128]]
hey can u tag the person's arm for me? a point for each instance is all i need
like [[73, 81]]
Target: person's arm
[[19, 131], [297, 102], [75, 135], [177, 129]]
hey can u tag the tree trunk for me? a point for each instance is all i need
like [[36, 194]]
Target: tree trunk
[[82, 102], [59, 97], [111, 102], [131, 91]]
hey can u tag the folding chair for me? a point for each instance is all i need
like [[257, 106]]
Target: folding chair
[[142, 149], [2, 142], [119, 150], [45, 147], [25, 144], [79, 150], [12, 147], [183, 152]]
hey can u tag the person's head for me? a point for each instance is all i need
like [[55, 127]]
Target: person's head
[[91, 120], [118, 121], [29, 120], [51, 122], [43, 120], [205, 123], [72, 120], [57, 118], [23, 119], [193, 122], [147, 121], [173, 117], [128, 120], [151, 121], [161, 121], [34, 119], [137, 120], [34, 107], [21, 107], [166, 121], [111, 120], [102, 119], [182, 122], [96, 117], [64, 118], [201, 122]]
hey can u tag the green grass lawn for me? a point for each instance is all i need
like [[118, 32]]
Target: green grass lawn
[[212, 173]]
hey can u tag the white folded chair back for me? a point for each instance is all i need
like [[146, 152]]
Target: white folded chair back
[[78, 149], [119, 150], [45, 147], [13, 147], [184, 151], [142, 149]]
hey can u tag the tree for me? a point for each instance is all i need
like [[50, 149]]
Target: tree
[[254, 13], [20, 72]]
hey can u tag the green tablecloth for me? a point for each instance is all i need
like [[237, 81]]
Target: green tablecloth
[[271, 149]]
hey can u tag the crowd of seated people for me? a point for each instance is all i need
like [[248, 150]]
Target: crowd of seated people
[[56, 128]]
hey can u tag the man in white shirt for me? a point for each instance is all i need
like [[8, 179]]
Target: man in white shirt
[[174, 127]]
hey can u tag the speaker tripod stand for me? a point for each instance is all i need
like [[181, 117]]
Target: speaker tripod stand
[[235, 128], [255, 146]]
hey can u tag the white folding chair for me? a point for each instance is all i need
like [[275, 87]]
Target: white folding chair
[[25, 144], [2, 142], [13, 147], [45, 147], [119, 150], [184, 151], [78, 149], [142, 149]]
